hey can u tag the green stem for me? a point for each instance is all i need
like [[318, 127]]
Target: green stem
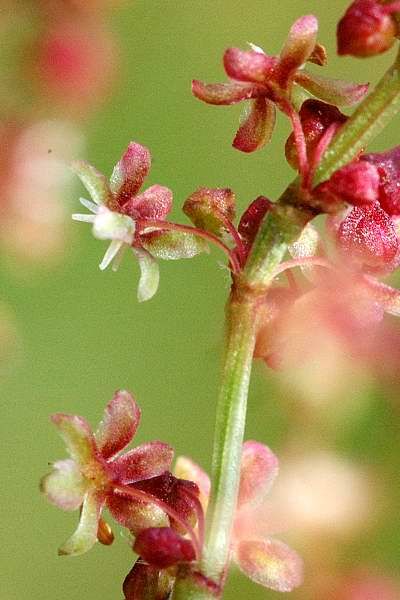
[[280, 227], [368, 120], [229, 432]]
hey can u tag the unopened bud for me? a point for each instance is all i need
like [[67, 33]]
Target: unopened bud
[[366, 29]]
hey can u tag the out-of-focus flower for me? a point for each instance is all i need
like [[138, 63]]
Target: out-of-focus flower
[[34, 184], [363, 584], [367, 28], [73, 62], [130, 219], [318, 494], [88, 479], [268, 80], [265, 560], [330, 337]]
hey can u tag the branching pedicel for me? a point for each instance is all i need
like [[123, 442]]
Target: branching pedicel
[[164, 508]]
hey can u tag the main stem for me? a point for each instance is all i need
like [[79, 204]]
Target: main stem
[[280, 227]]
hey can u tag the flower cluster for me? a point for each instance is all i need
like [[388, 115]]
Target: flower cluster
[[158, 507], [339, 297]]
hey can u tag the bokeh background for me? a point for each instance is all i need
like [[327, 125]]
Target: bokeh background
[[70, 335]]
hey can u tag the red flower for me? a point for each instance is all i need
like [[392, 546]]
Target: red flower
[[265, 80], [88, 479]]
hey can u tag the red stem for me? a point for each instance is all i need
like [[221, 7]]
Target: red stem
[[236, 238], [209, 237], [123, 490]]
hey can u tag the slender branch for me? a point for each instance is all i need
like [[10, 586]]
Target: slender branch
[[206, 235]]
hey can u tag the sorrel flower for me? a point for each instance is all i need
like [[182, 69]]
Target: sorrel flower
[[88, 479], [367, 28], [132, 219], [268, 80]]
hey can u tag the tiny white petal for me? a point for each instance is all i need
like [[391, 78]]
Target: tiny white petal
[[83, 218], [118, 258], [89, 205], [111, 253], [256, 48]]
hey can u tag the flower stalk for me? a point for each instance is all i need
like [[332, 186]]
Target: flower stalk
[[279, 228]]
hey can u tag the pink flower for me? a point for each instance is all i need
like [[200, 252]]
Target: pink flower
[[267, 80], [132, 219], [88, 479], [73, 62]]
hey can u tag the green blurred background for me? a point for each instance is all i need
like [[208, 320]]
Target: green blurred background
[[82, 334]]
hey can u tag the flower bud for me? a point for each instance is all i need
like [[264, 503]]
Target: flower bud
[[366, 29], [316, 117]]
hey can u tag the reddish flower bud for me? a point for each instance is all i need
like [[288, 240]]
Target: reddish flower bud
[[316, 117], [366, 29], [162, 547], [368, 235], [357, 183], [388, 165], [211, 209]]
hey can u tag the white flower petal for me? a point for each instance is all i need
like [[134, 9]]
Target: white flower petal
[[111, 253], [83, 218], [89, 205]]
